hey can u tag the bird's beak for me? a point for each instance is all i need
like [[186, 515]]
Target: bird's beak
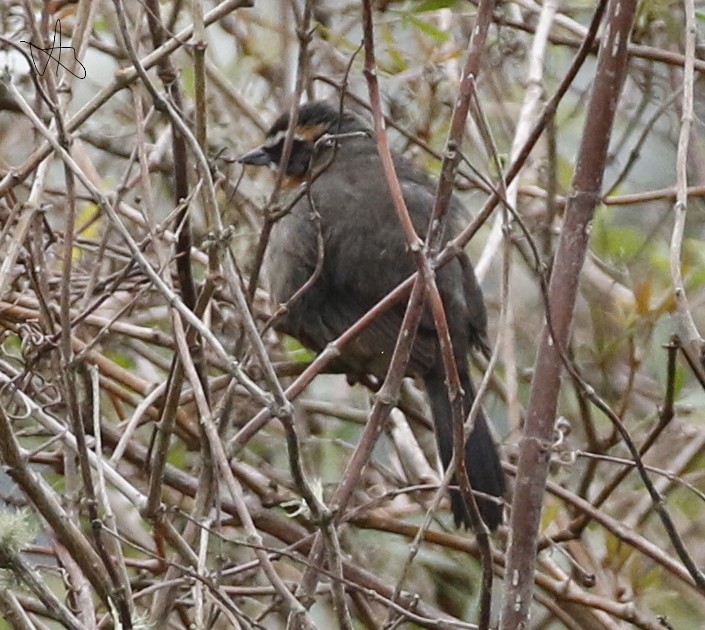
[[256, 157]]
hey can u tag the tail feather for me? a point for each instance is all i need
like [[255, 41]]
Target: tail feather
[[481, 454]]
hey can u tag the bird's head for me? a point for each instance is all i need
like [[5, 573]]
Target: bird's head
[[317, 123]]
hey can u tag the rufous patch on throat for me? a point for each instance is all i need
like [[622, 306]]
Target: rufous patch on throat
[[311, 132]]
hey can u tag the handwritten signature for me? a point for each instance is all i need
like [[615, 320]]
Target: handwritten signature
[[49, 52]]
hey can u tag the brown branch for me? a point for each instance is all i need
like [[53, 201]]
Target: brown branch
[[538, 431], [47, 504]]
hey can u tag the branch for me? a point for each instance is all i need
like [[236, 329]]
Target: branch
[[534, 448]]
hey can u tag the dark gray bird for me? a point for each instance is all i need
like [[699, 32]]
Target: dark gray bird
[[365, 257]]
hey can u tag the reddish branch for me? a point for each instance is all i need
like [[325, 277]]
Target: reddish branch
[[535, 445]]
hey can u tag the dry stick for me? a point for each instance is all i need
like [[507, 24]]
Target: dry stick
[[102, 491], [182, 367], [591, 610], [533, 97], [16, 612], [169, 77], [422, 254], [537, 438], [658, 194], [451, 159], [691, 361], [457, 244], [414, 243], [44, 499], [444, 190], [80, 587], [35, 245], [322, 516], [15, 243], [517, 218], [693, 341], [422, 530], [199, 47], [12, 560]]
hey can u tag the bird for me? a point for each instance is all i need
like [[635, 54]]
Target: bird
[[349, 209]]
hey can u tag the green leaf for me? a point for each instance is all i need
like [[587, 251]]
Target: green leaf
[[430, 30], [297, 352], [433, 5]]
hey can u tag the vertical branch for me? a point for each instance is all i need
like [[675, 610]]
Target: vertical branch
[[422, 253], [530, 109], [691, 338], [466, 89], [537, 438], [168, 75]]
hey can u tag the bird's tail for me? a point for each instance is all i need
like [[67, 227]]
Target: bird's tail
[[481, 454]]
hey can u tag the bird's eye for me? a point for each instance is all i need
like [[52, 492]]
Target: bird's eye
[[276, 141], [299, 158]]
